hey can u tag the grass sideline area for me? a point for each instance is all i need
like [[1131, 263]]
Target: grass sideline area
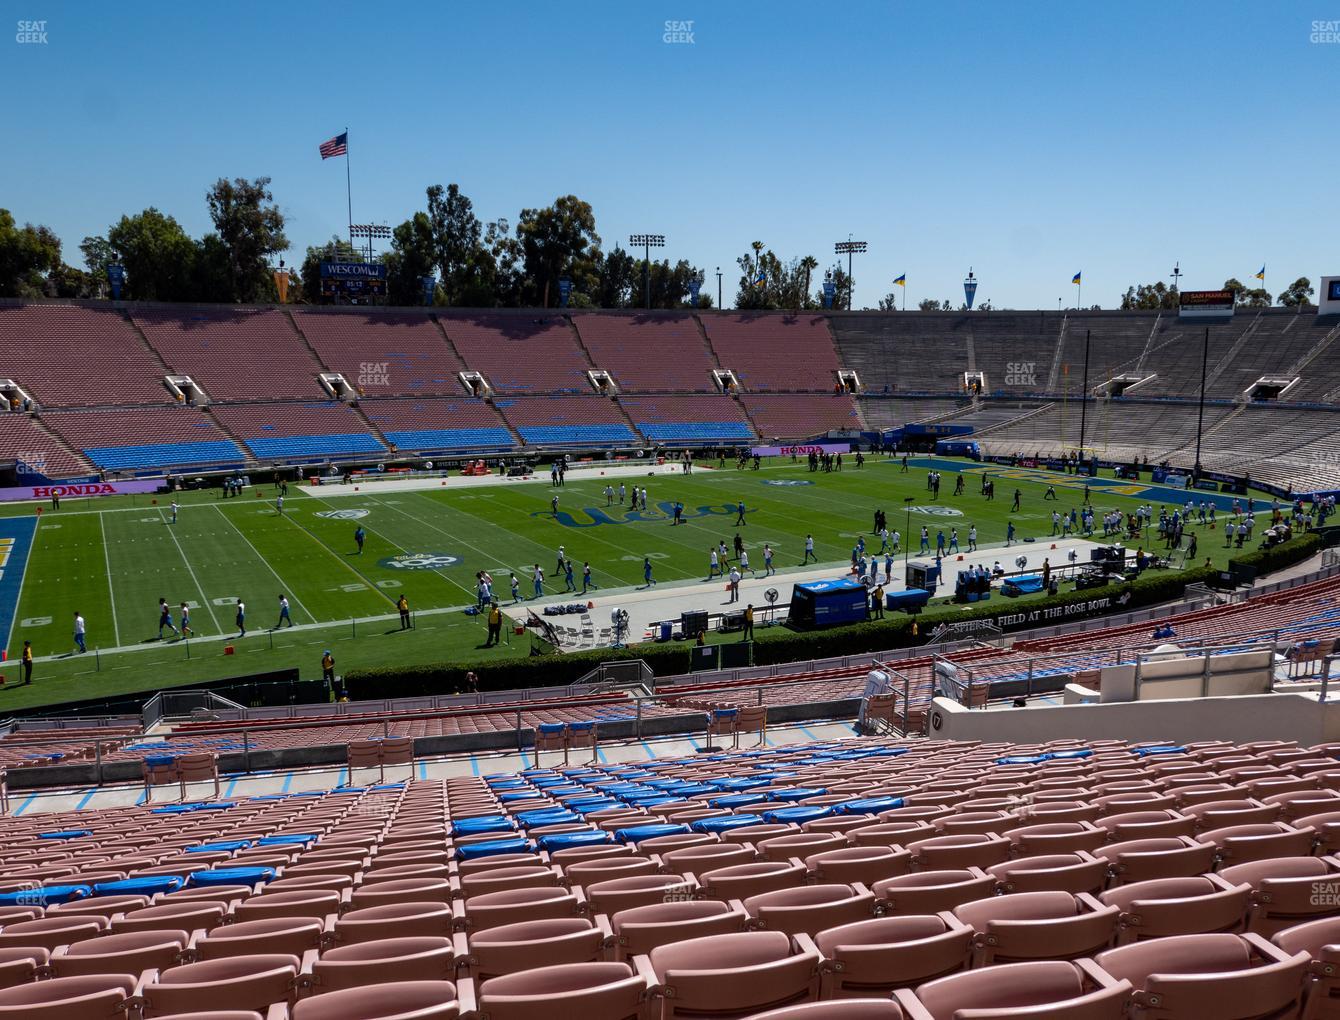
[[111, 558]]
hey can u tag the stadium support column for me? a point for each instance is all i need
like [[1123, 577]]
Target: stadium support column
[[1084, 395], [1200, 414]]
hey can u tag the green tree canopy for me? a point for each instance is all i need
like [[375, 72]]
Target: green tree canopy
[[1298, 294], [158, 256], [27, 254], [251, 228]]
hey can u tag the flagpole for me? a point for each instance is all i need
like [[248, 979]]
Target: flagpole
[[348, 189]]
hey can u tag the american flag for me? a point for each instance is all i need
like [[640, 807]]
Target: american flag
[[337, 146]]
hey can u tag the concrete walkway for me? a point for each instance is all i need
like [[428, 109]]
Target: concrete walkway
[[298, 781]]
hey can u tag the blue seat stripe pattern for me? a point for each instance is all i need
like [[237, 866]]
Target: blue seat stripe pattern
[[151, 455], [542, 435], [695, 430], [450, 439], [314, 446]]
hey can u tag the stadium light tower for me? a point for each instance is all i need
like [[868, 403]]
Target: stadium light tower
[[369, 232], [718, 288], [1176, 275], [849, 248], [647, 242]]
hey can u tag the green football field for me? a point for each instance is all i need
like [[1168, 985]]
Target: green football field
[[111, 558]]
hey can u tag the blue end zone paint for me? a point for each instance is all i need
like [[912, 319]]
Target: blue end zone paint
[[1148, 492], [600, 753], [647, 747], [24, 806], [228, 792], [474, 765], [16, 543], [288, 781], [423, 770], [83, 801]]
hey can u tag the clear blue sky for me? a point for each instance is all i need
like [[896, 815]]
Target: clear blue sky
[[1028, 141]]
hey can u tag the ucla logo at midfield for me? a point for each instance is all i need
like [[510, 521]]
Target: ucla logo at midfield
[[663, 511], [787, 481], [342, 515]]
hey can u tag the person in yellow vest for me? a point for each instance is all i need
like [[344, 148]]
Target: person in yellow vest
[[878, 600], [328, 667], [402, 604], [495, 625], [748, 623], [27, 662]]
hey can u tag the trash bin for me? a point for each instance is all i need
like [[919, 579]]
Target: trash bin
[[667, 628]]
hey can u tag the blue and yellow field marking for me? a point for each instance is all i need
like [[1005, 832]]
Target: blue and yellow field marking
[[16, 542], [1098, 486]]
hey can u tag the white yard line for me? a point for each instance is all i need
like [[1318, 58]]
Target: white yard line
[[282, 585], [111, 595], [204, 599]]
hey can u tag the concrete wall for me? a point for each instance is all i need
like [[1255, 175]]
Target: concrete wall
[[1248, 717]]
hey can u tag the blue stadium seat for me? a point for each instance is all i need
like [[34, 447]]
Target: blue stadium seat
[[451, 439], [164, 455], [551, 435], [279, 447], [706, 430]]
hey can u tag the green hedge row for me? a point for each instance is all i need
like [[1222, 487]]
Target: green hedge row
[[782, 644]]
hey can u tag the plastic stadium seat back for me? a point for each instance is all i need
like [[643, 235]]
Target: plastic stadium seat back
[[384, 961], [696, 860], [394, 920], [929, 892], [233, 982], [407, 1000], [1057, 989], [875, 956], [642, 929], [292, 936], [1038, 925], [1226, 976], [128, 953], [510, 948], [851, 1009], [741, 881], [19, 965], [1179, 906], [810, 908], [492, 909], [592, 991], [183, 916], [1059, 872], [1139, 860], [734, 974], [72, 998]]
